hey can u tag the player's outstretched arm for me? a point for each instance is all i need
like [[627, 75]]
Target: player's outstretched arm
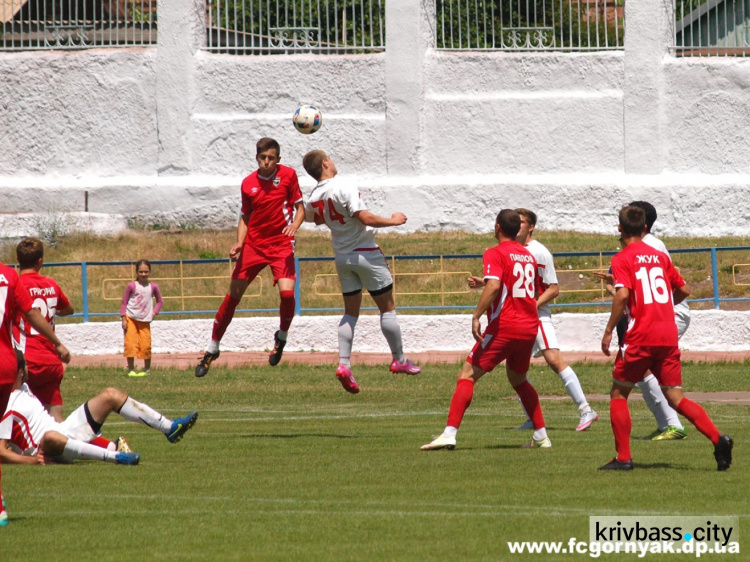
[[475, 282], [36, 319], [371, 219], [618, 309], [11, 457]]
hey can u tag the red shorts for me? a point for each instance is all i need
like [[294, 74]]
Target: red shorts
[[495, 349], [44, 382], [663, 361], [253, 259]]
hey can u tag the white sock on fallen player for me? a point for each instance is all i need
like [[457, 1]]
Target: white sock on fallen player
[[657, 403], [138, 412], [75, 449]]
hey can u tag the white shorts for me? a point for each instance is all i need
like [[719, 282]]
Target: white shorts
[[545, 337], [683, 321], [364, 268], [76, 426]]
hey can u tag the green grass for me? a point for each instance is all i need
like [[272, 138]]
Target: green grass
[[283, 465]]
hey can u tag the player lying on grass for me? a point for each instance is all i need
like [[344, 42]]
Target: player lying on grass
[[647, 285], [33, 435]]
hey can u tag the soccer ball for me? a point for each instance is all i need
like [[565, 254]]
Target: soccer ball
[[307, 119]]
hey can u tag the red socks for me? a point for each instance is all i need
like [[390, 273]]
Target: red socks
[[286, 310], [530, 400], [100, 442], [460, 402], [699, 418], [621, 426], [224, 317]]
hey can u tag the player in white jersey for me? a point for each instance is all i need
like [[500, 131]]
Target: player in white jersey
[[359, 261], [546, 340], [29, 435]]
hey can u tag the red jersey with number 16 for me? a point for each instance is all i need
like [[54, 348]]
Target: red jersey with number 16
[[269, 204], [651, 278], [513, 312], [46, 296], [12, 299]]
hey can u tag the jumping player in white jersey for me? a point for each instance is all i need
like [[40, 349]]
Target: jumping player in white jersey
[[546, 339], [33, 435], [359, 261], [669, 427]]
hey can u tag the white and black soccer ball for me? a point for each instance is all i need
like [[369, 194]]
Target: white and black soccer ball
[[307, 119]]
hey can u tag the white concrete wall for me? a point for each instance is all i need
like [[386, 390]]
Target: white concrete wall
[[710, 330], [165, 134]]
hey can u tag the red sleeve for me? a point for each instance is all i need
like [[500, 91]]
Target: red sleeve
[[295, 193], [621, 272], [23, 302], [493, 266]]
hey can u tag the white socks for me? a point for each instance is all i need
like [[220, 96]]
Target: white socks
[[138, 412], [283, 334], [657, 403], [346, 337], [75, 449], [540, 434], [213, 347], [573, 386], [392, 331], [450, 431]]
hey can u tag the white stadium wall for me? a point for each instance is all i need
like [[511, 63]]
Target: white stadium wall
[[164, 135]]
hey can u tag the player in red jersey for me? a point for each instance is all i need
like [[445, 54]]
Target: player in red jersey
[[44, 366], [14, 299], [647, 287], [265, 237], [509, 299]]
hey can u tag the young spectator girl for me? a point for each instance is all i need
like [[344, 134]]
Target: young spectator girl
[[137, 311]]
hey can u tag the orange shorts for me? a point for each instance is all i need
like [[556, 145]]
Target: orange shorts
[[663, 362], [138, 339], [495, 349], [44, 382]]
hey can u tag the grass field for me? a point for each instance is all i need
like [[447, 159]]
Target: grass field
[[284, 465]]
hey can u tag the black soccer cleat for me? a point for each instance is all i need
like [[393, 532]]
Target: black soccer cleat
[[205, 364], [614, 464], [278, 348], [723, 452]]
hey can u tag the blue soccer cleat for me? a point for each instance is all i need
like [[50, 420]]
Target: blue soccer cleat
[[180, 426], [127, 458]]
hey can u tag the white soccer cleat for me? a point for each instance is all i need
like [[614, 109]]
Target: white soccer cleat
[[587, 418], [534, 444], [528, 424], [440, 442]]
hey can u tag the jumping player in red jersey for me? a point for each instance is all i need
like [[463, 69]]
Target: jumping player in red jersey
[[508, 297], [44, 366], [14, 299], [265, 237], [647, 287]]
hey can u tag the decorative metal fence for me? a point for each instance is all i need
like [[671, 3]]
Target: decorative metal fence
[[263, 27], [76, 24], [712, 28], [529, 25]]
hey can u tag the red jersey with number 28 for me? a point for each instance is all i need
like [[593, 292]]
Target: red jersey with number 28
[[269, 204], [47, 297], [651, 278], [12, 299], [513, 312]]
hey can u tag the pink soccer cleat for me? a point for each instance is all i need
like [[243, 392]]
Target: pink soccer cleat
[[344, 374], [406, 367]]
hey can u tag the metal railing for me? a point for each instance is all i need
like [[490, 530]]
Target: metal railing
[[529, 25], [712, 28], [437, 280], [261, 27], [76, 24]]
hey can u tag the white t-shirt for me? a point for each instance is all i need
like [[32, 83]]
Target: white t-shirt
[[681, 309], [335, 201], [545, 270], [25, 422]]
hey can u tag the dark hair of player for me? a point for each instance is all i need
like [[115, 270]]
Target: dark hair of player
[[267, 143], [509, 222], [138, 265], [530, 216], [313, 163], [632, 220], [29, 251], [650, 211]]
